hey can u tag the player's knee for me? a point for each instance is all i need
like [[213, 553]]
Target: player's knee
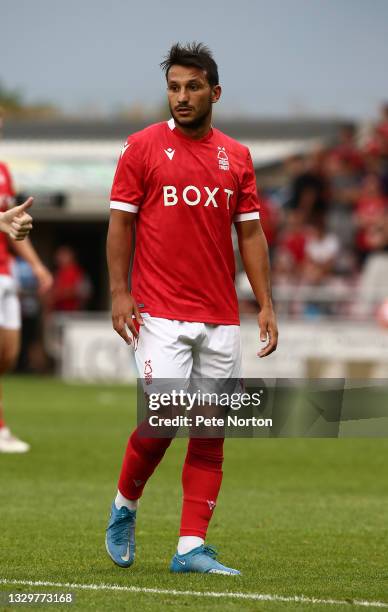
[[142, 444], [8, 360]]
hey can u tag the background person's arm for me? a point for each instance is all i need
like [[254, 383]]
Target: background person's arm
[[26, 251], [118, 251], [254, 254]]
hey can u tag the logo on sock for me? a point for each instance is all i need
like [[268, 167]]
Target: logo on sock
[[138, 482], [211, 504], [148, 372]]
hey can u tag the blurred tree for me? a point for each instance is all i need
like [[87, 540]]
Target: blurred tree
[[163, 110], [12, 102]]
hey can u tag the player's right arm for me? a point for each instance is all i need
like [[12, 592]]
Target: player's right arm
[[126, 197], [119, 248]]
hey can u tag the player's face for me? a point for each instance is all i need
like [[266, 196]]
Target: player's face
[[190, 96]]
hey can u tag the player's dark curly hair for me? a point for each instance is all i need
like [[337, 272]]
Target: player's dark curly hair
[[192, 54]]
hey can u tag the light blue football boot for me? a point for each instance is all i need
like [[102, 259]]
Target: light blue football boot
[[201, 560], [120, 536]]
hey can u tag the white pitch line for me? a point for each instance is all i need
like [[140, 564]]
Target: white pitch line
[[230, 595]]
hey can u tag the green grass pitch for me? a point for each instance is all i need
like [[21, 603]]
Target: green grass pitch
[[298, 517]]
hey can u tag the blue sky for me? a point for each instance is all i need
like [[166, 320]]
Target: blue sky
[[275, 57]]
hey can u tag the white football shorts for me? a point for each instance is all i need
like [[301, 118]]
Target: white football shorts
[[185, 351], [10, 317]]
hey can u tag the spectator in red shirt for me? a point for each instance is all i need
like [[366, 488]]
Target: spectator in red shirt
[[382, 127], [377, 145], [71, 289], [374, 148], [347, 149], [269, 219], [293, 237], [370, 214]]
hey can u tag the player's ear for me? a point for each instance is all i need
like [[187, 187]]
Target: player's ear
[[216, 93]]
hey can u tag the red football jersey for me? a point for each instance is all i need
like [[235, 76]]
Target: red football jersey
[[186, 193], [6, 197]]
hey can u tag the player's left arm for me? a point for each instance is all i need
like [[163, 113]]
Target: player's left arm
[[254, 254], [26, 251]]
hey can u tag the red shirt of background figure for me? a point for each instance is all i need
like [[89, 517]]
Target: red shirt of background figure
[[293, 237], [70, 289], [269, 219], [370, 210], [186, 193], [350, 155], [65, 281], [6, 197]]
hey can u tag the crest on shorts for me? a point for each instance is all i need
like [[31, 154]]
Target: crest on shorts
[[148, 372]]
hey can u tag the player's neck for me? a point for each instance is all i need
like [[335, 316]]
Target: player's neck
[[197, 132]]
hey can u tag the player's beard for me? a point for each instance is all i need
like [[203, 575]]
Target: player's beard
[[195, 123]]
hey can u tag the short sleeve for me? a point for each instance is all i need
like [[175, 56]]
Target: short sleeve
[[248, 202], [8, 190], [128, 183]]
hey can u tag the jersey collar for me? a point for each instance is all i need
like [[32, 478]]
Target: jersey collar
[[177, 132]]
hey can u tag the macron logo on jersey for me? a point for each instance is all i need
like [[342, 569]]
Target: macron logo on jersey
[[192, 196], [169, 152]]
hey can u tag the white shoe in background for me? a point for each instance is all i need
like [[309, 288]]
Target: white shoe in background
[[10, 444]]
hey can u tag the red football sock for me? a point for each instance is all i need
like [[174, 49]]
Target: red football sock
[[201, 480], [141, 458]]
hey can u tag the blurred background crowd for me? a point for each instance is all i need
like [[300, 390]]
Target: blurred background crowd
[[325, 215], [327, 226]]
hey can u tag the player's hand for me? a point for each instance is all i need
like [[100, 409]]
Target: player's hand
[[16, 222], [125, 313], [44, 278], [268, 331]]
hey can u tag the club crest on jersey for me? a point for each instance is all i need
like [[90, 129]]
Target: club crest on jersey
[[223, 160]]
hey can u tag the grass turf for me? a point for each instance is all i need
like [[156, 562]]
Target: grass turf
[[296, 516]]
